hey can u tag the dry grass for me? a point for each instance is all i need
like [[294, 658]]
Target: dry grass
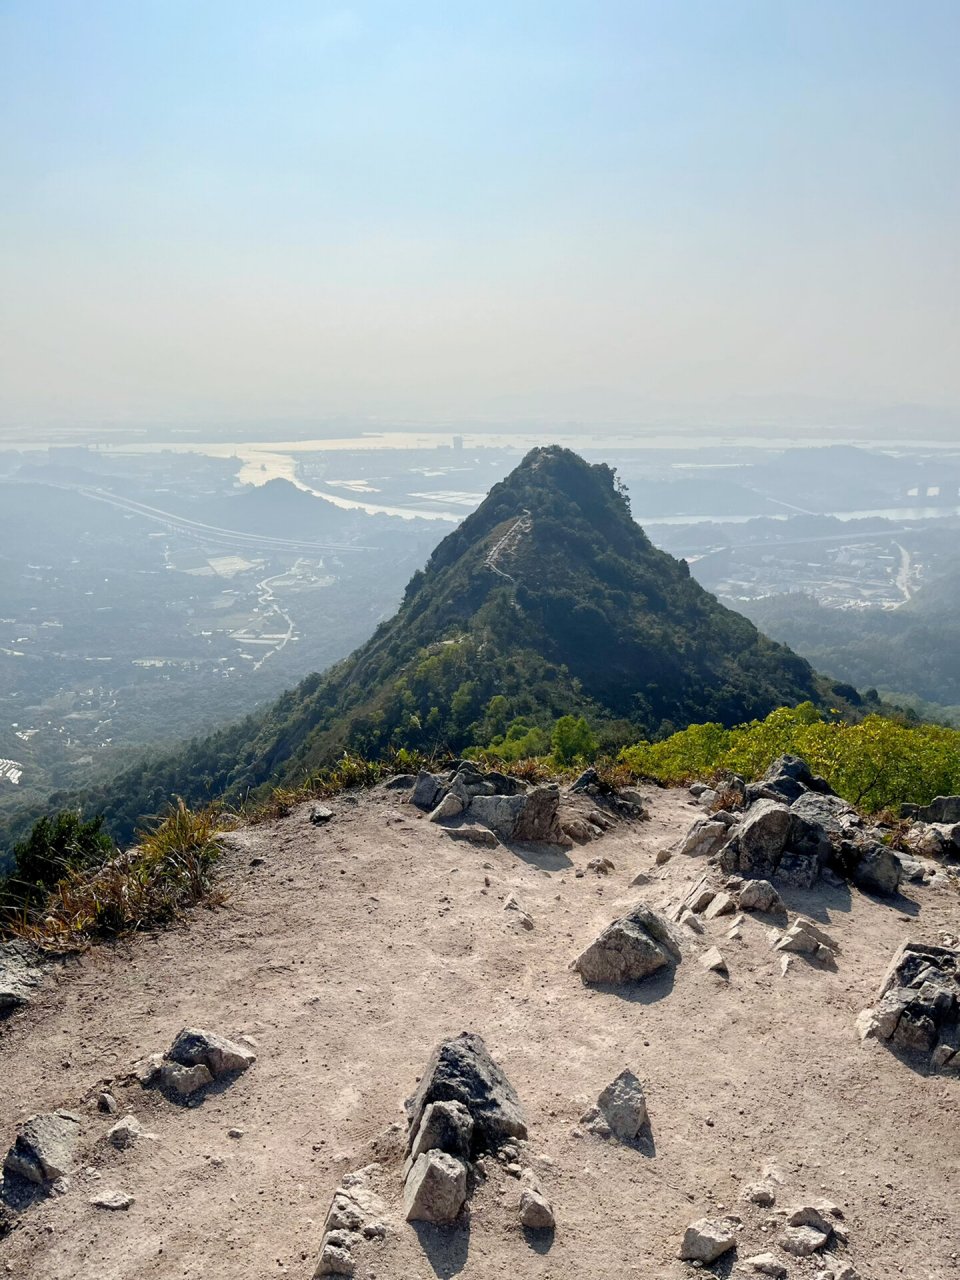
[[171, 868]]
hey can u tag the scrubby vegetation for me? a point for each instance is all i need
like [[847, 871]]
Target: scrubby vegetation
[[96, 891], [877, 763]]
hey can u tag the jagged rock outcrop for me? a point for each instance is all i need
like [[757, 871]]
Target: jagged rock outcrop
[[462, 1070], [918, 1005], [357, 1214], [502, 805], [944, 809], [629, 949]]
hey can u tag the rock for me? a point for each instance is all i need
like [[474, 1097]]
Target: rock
[[108, 1103], [714, 962], [444, 1126], [19, 974], [427, 790], [663, 857], [757, 846], [401, 782], [760, 895], [805, 937], [125, 1132], [112, 1200], [945, 809], [531, 818], [631, 796], [588, 782], [803, 1241], [356, 1214], [183, 1081], [808, 1215], [706, 1240], [521, 917], [461, 1070], [435, 1189], [451, 806], [919, 1002], [707, 797], [759, 1193], [629, 949], [473, 835], [691, 922], [721, 904], [704, 838], [768, 1265], [878, 869], [45, 1147], [536, 1213], [220, 1056], [148, 1071], [602, 866], [320, 814], [623, 1106], [578, 829], [335, 1257], [835, 816]]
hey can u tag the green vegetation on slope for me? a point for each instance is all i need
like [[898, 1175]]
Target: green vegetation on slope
[[548, 601], [876, 764]]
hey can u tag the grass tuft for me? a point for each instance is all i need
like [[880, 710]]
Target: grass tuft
[[170, 869]]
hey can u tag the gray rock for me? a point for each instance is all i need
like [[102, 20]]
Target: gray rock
[[462, 1070], [183, 1081], [427, 790], [878, 869], [473, 835], [588, 782], [706, 1240], [533, 818], [623, 1106], [444, 1126], [803, 1241], [125, 1132], [760, 895], [629, 949], [833, 815], [713, 961], [721, 904], [320, 814], [220, 1056], [435, 1189], [401, 782], [45, 1147], [536, 1212], [451, 806], [108, 1103], [944, 809], [757, 846], [704, 839], [19, 974], [767, 1264], [112, 1200]]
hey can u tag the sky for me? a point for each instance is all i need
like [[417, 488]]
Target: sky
[[216, 211]]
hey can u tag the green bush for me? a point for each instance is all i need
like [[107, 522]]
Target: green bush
[[56, 845], [876, 764]]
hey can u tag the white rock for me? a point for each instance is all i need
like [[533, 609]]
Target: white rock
[[112, 1200], [768, 1265], [125, 1132], [713, 961]]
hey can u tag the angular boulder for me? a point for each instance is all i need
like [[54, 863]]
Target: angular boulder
[[629, 949], [462, 1070], [878, 869], [536, 1212], [704, 839], [918, 1006], [220, 1056], [706, 1240], [623, 1106], [760, 895], [435, 1189], [45, 1147], [444, 1126], [533, 818], [758, 845]]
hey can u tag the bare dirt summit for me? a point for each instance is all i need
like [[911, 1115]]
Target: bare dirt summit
[[256, 1062]]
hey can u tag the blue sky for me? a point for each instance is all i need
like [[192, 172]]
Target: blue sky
[[213, 211]]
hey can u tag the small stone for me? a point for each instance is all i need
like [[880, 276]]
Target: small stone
[[234, 1133], [184, 1080], [768, 1265], [112, 1200], [663, 857], [319, 814], [759, 1193], [722, 904], [125, 1132], [220, 1056], [45, 1147], [714, 962], [803, 1241], [108, 1103]]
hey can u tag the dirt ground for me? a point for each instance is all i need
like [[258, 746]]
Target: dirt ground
[[353, 948]]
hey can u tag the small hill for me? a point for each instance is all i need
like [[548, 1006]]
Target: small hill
[[548, 600]]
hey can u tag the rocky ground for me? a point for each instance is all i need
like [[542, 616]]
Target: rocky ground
[[349, 948]]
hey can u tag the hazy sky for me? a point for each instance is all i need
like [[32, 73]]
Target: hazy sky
[[218, 209]]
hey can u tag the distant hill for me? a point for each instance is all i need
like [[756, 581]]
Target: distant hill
[[914, 649], [549, 598]]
